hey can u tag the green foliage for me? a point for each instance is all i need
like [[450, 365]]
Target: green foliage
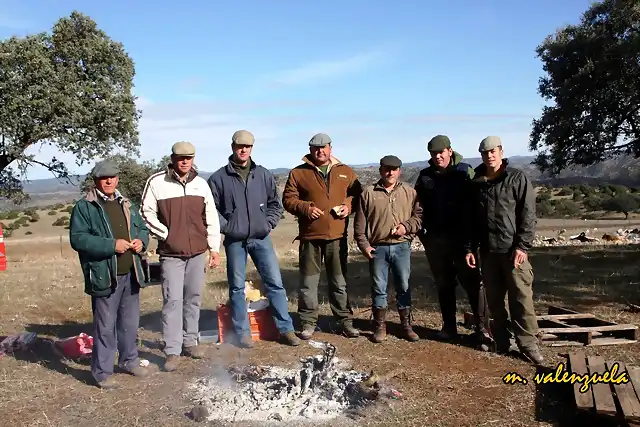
[[624, 203], [68, 209], [564, 207], [12, 215], [544, 209], [565, 192], [593, 203], [34, 218], [29, 212], [28, 233], [70, 88], [7, 232], [133, 175], [591, 80], [578, 196], [52, 213], [60, 222], [543, 197]]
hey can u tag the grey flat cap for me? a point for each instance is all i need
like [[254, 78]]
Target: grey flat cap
[[183, 148], [319, 140], [439, 143], [105, 168], [489, 143]]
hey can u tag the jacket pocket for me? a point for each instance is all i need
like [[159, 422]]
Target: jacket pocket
[[98, 276], [231, 228], [263, 228]]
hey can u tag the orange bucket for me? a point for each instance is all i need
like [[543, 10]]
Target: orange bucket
[[261, 323]]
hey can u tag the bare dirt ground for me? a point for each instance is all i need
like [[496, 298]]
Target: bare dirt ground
[[442, 384]]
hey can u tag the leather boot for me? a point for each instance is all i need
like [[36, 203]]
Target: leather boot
[[379, 324], [405, 322]]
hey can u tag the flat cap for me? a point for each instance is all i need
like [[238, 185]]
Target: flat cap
[[183, 148], [489, 143], [391, 161], [439, 143], [243, 137], [105, 168], [319, 140]]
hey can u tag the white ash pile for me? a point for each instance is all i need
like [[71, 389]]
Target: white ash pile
[[318, 391]]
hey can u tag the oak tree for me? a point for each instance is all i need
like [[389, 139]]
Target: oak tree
[[71, 89], [593, 84]]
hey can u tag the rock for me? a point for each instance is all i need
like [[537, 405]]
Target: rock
[[199, 413]]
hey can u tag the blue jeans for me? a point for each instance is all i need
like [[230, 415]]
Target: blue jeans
[[396, 257], [266, 262]]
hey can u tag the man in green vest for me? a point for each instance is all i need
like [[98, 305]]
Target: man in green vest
[[109, 235]]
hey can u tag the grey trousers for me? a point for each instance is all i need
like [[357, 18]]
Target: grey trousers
[[182, 284], [115, 324]]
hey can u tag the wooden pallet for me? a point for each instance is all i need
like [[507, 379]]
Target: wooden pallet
[[620, 400], [565, 327]]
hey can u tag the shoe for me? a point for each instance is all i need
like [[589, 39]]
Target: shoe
[[447, 334], [138, 371], [194, 352], [107, 384], [348, 330], [246, 342], [289, 338], [405, 323], [171, 363], [379, 324], [533, 354], [307, 332]]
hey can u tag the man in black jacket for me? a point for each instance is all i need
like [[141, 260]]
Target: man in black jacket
[[443, 189], [504, 220]]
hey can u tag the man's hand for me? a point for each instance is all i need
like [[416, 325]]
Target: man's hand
[[369, 252], [344, 211], [122, 246], [136, 245], [399, 230], [471, 260], [314, 213], [519, 257], [214, 259]]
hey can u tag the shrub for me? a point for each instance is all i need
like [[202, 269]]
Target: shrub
[[52, 213], [12, 215], [59, 222], [28, 233], [565, 192], [29, 212], [7, 233], [34, 218], [68, 209]]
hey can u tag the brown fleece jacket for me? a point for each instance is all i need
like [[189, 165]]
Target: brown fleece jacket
[[306, 187]]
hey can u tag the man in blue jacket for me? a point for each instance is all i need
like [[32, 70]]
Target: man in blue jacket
[[249, 208], [107, 232]]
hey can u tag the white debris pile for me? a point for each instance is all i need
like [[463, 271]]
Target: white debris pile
[[319, 390], [620, 237]]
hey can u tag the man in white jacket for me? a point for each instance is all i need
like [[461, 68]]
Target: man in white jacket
[[179, 209]]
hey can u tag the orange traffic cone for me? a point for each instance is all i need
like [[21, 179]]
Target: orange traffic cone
[[3, 253]]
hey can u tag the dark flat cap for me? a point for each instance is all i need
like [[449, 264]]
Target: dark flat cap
[[391, 161], [105, 169], [320, 140], [439, 143]]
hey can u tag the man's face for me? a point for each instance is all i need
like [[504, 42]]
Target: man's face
[[441, 158], [182, 164], [107, 185], [321, 154], [492, 158], [389, 175], [241, 152]]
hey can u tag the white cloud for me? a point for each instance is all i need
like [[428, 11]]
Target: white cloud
[[315, 72]]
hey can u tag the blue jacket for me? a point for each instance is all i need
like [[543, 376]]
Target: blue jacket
[[246, 211]]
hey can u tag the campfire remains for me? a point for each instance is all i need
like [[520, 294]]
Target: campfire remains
[[318, 391]]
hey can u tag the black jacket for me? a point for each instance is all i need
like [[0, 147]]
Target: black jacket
[[502, 211]]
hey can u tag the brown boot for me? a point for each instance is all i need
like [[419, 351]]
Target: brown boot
[[405, 322], [379, 324]]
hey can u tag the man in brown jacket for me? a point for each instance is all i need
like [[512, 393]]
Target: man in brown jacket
[[387, 219], [321, 192]]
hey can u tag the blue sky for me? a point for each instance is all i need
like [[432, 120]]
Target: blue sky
[[379, 77]]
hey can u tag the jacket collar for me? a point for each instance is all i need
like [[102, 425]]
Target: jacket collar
[[232, 171], [193, 173]]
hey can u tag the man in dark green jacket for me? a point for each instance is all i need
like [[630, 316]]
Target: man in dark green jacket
[[503, 222], [107, 232], [443, 188]]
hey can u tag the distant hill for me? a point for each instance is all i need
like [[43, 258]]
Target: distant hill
[[624, 170]]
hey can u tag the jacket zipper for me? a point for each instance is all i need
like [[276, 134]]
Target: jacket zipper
[[115, 257]]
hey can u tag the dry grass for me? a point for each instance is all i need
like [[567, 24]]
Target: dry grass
[[443, 384]]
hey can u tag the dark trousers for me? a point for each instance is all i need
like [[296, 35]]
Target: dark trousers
[[115, 327], [311, 254], [448, 265]]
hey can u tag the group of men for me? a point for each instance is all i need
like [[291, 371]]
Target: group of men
[[465, 219]]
